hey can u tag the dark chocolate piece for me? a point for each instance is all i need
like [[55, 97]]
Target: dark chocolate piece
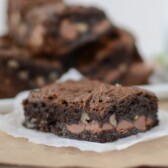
[[19, 71], [90, 110]]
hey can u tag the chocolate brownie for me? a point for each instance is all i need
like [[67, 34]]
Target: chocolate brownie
[[90, 110], [112, 59], [19, 71], [58, 29], [17, 11], [109, 58]]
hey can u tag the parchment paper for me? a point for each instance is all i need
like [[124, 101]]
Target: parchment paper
[[12, 124]]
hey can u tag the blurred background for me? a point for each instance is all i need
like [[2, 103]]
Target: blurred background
[[146, 19], [99, 43]]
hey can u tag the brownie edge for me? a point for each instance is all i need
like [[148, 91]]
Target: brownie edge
[[91, 110]]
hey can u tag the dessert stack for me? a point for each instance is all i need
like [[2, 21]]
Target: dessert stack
[[47, 37]]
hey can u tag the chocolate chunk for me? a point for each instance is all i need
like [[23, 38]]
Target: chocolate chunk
[[75, 129], [140, 123], [68, 31], [93, 127], [124, 125], [36, 39]]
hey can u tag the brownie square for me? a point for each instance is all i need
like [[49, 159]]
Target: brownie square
[[57, 30], [20, 71], [91, 110], [109, 58], [17, 11], [112, 59]]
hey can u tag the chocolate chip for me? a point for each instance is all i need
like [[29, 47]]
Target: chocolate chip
[[124, 125], [140, 123], [107, 126], [75, 128], [149, 121], [68, 30], [36, 38]]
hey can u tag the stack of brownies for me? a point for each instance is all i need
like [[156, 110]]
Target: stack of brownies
[[47, 37]]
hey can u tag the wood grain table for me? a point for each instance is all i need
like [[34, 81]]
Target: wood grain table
[[19, 151]]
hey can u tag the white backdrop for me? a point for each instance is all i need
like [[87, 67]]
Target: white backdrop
[[3, 16], [145, 18]]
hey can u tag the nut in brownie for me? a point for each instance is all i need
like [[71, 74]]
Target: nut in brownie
[[90, 110]]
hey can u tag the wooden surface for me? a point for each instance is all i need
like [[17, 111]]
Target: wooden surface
[[20, 151]]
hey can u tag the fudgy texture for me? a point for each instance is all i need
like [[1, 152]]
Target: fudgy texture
[[113, 59], [19, 71], [58, 29], [114, 49], [90, 110], [17, 12]]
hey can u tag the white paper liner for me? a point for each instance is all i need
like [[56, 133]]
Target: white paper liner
[[11, 123]]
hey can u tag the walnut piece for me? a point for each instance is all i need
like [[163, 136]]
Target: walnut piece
[[113, 121], [85, 118]]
